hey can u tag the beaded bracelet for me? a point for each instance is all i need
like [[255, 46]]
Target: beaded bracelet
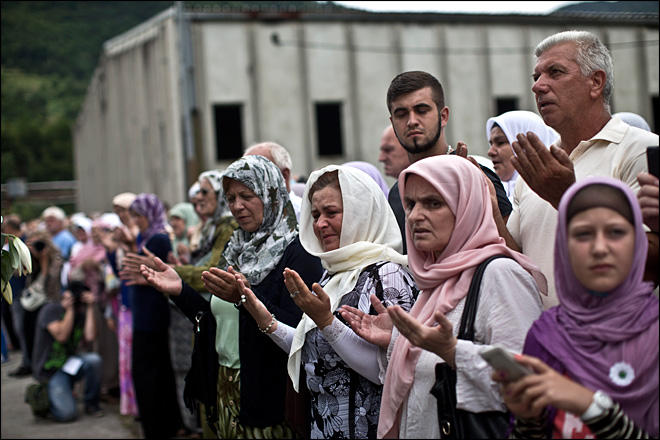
[[265, 330], [240, 301]]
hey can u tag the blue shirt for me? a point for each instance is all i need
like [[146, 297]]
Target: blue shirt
[[64, 240]]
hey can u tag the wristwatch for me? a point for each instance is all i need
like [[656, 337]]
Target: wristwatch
[[600, 404]]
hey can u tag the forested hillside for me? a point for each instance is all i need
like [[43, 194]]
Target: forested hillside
[[49, 52]]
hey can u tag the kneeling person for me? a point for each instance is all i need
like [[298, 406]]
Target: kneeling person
[[58, 356]]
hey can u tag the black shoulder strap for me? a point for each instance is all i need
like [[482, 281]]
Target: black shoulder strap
[[466, 330]]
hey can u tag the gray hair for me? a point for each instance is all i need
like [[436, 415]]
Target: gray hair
[[592, 55], [280, 155]]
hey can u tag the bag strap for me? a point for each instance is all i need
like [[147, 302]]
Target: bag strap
[[466, 330]]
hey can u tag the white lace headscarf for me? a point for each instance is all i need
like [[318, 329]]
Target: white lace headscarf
[[369, 234], [203, 254]]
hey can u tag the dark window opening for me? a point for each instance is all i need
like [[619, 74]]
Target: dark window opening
[[328, 129], [656, 114], [228, 132], [506, 105]]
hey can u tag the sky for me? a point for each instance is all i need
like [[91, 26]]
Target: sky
[[489, 7]]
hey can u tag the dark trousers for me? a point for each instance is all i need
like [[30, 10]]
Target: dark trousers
[[155, 388], [30, 329]]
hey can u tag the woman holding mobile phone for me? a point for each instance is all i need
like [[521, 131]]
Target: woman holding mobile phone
[[595, 354]]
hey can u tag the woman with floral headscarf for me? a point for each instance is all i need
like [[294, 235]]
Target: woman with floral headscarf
[[596, 353], [450, 231], [153, 377], [251, 377], [362, 260]]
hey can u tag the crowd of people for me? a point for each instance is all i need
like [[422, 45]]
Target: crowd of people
[[264, 309]]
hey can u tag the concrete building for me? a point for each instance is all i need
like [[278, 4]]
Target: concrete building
[[190, 89]]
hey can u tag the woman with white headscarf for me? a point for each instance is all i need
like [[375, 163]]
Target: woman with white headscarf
[[347, 222], [501, 132], [216, 231]]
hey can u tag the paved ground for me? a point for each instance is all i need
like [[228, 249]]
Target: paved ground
[[18, 422]]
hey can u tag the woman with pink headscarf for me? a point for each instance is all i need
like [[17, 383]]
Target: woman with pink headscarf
[[90, 265], [87, 264], [449, 223]]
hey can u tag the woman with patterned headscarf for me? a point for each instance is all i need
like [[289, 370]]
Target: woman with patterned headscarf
[[251, 377], [153, 377], [595, 355]]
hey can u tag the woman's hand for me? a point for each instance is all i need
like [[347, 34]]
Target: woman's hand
[[649, 200], [132, 276], [438, 339], [183, 251], [223, 283], [316, 306], [162, 278], [528, 396], [90, 264], [133, 261], [171, 259], [254, 306], [124, 235], [375, 329], [131, 271]]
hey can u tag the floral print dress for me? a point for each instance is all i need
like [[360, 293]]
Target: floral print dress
[[344, 403]]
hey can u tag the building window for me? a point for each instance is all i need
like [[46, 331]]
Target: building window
[[329, 133], [228, 132], [656, 114], [506, 104]]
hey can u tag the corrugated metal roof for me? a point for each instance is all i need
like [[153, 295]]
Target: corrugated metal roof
[[333, 13]]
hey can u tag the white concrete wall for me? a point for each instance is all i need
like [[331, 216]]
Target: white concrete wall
[[318, 61], [128, 135]]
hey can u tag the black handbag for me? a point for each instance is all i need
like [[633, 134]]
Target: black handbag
[[201, 379], [456, 423]]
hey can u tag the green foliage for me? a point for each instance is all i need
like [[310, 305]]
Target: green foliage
[[15, 258], [49, 52]]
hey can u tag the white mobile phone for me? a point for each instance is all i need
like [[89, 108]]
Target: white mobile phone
[[502, 360]]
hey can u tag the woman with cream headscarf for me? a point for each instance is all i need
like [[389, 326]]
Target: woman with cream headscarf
[[449, 222], [117, 244], [347, 222]]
